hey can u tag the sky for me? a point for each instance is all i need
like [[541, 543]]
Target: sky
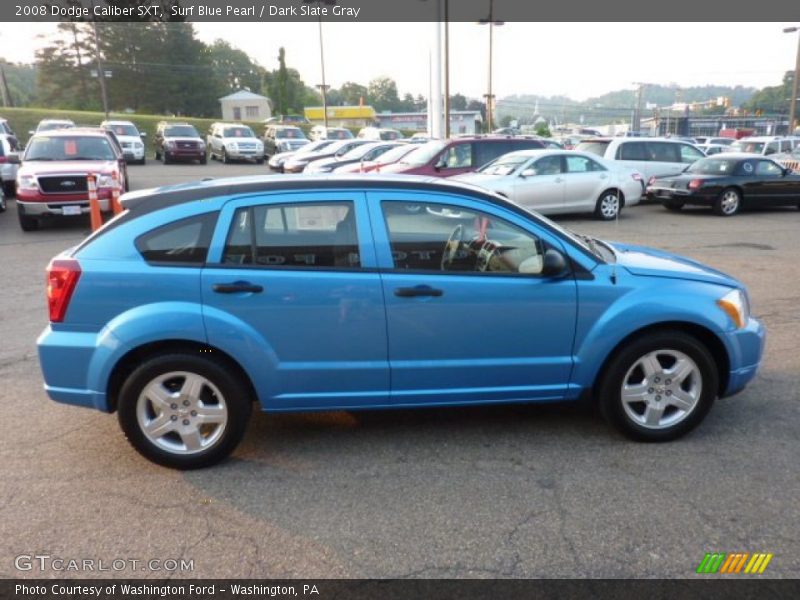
[[578, 60]]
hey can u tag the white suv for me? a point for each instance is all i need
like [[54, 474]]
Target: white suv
[[652, 157], [130, 138], [234, 141], [764, 145]]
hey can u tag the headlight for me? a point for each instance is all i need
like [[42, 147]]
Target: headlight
[[232, 145], [105, 181], [27, 182], [138, 145], [736, 306], [170, 144]]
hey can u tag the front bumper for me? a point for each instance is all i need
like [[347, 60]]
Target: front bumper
[[53, 207], [746, 348], [133, 154]]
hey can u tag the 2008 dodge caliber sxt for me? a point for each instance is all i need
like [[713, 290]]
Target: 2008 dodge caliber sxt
[[343, 294]]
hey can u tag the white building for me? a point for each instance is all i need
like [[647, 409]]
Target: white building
[[245, 106]]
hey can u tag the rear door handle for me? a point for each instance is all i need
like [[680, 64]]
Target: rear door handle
[[420, 290], [237, 287]]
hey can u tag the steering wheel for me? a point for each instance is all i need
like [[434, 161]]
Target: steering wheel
[[451, 247]]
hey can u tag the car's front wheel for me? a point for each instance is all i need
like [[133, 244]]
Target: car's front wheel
[[184, 411], [608, 205], [25, 222], [659, 387]]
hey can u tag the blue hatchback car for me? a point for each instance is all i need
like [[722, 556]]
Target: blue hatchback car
[[309, 294]]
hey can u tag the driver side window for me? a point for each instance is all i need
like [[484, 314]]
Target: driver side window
[[446, 238]]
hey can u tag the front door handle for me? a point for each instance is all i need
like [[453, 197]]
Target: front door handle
[[420, 290], [237, 287]]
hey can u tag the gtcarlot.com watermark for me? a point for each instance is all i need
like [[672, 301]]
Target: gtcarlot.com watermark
[[45, 563]]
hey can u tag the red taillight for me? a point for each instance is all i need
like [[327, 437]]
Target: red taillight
[[695, 184], [651, 181], [3, 159], [62, 277], [636, 176]]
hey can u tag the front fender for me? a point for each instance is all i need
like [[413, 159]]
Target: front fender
[[607, 315]]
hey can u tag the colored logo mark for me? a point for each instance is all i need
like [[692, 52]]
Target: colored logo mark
[[734, 562]]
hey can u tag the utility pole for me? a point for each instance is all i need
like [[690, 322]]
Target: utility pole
[[637, 114], [793, 105], [4, 86], [446, 68], [490, 96], [101, 74]]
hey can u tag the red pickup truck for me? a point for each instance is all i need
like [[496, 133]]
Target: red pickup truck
[[52, 179]]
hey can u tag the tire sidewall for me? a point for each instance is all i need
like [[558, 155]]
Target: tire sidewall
[[598, 211], [718, 204], [237, 399], [610, 400]]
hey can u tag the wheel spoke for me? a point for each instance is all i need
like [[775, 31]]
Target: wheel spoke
[[652, 415], [192, 387], [211, 414], [650, 365], [160, 396], [159, 426], [192, 439], [681, 399], [681, 370], [634, 393]]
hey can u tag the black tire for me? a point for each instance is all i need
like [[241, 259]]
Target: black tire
[[204, 160], [10, 189], [604, 203], [728, 203], [259, 161], [235, 394], [3, 202], [611, 382], [225, 159], [673, 206], [143, 161], [25, 222], [166, 159]]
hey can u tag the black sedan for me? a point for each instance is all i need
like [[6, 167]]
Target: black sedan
[[728, 183]]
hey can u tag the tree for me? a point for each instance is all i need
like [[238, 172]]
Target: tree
[[773, 99], [458, 102], [234, 70], [542, 130], [353, 93], [383, 94], [62, 70]]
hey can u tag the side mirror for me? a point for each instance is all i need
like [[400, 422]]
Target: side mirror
[[554, 264], [142, 134], [31, 132], [440, 164], [786, 171], [528, 173]]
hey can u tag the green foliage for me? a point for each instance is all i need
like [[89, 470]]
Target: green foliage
[[21, 80], [775, 99], [542, 130], [382, 93]]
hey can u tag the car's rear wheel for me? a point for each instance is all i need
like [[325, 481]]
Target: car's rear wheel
[[184, 411], [225, 159], [2, 201], [26, 222], [658, 387], [673, 206], [728, 202], [608, 205]]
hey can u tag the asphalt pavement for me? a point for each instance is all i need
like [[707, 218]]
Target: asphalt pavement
[[522, 491]]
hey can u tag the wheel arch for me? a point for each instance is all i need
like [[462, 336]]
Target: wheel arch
[[704, 335], [129, 361], [615, 190]]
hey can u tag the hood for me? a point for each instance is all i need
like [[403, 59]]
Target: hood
[[183, 139], [47, 167], [640, 260], [249, 140], [129, 139]]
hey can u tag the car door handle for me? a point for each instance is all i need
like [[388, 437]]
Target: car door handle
[[237, 287], [420, 290]]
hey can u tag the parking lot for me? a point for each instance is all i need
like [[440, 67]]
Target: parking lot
[[521, 491]]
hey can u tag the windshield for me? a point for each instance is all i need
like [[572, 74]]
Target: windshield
[[69, 148], [339, 134], [598, 148], [181, 131], [239, 132], [50, 126], [390, 134], [291, 132], [712, 166], [504, 165], [751, 147], [394, 154], [423, 154], [314, 146], [124, 130]]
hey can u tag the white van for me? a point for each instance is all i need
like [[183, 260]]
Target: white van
[[379, 134], [652, 157], [764, 145]]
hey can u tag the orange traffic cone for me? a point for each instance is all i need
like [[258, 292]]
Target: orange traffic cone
[[115, 205], [94, 204]]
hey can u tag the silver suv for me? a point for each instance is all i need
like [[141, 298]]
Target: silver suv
[[234, 141]]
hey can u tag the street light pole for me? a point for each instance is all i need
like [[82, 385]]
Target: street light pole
[[793, 105], [323, 87], [101, 74], [490, 97]]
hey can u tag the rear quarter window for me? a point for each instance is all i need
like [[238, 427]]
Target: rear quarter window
[[183, 242], [598, 148]]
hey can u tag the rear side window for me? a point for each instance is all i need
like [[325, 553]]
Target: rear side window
[[484, 152], [633, 151], [458, 156], [294, 235], [180, 242], [689, 154]]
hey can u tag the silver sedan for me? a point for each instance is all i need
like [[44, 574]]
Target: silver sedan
[[560, 181]]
